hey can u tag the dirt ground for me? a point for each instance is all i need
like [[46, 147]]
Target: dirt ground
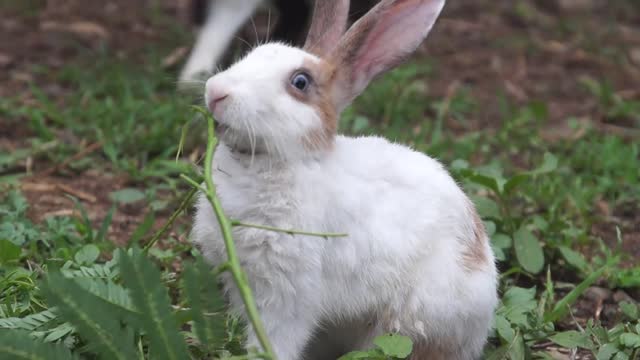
[[486, 46]]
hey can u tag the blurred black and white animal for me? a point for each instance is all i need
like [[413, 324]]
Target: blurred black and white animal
[[221, 20]]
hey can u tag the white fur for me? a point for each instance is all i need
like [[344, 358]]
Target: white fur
[[409, 226]]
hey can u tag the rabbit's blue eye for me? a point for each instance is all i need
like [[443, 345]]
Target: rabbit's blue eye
[[301, 81]]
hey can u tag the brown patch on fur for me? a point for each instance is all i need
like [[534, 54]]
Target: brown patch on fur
[[328, 23], [424, 351], [367, 30], [475, 256], [347, 54], [436, 349], [364, 52], [318, 96], [353, 41]]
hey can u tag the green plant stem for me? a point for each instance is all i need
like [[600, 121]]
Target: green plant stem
[[237, 272], [183, 205], [235, 223]]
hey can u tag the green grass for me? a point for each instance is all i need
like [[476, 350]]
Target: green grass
[[538, 201]]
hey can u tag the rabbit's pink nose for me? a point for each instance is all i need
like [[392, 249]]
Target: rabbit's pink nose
[[217, 90], [214, 99]]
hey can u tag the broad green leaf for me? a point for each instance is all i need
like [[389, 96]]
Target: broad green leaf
[[87, 313], [206, 304], [127, 196], [630, 340], [528, 251], [517, 304], [360, 123], [374, 354], [459, 164], [630, 309], [486, 207], [394, 345], [18, 345], [517, 350], [9, 251], [615, 332], [87, 254], [621, 355], [574, 258], [607, 351], [151, 299], [572, 339], [490, 227], [514, 181], [486, 181], [498, 253], [540, 223], [500, 353], [549, 164], [504, 329], [501, 240], [517, 296]]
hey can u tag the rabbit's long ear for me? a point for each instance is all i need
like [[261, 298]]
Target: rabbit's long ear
[[378, 42], [327, 26]]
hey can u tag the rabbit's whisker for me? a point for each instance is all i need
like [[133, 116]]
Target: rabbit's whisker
[[255, 31], [268, 26]]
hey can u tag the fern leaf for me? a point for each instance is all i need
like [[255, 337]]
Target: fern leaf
[[35, 323], [17, 345], [94, 272], [30, 322], [150, 297], [90, 315], [110, 292], [54, 334], [206, 304]]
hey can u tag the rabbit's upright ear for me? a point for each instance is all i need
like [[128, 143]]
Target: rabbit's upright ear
[[328, 24], [378, 42]]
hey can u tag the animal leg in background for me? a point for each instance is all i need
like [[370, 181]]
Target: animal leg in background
[[223, 20]]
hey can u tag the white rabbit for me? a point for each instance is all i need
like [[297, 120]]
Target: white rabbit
[[416, 259]]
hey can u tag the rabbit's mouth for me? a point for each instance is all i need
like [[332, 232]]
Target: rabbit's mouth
[[238, 141], [220, 128]]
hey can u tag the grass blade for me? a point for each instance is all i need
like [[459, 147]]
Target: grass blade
[[562, 307], [143, 228], [104, 227]]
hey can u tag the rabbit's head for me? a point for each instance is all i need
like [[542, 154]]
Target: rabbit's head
[[286, 101]]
